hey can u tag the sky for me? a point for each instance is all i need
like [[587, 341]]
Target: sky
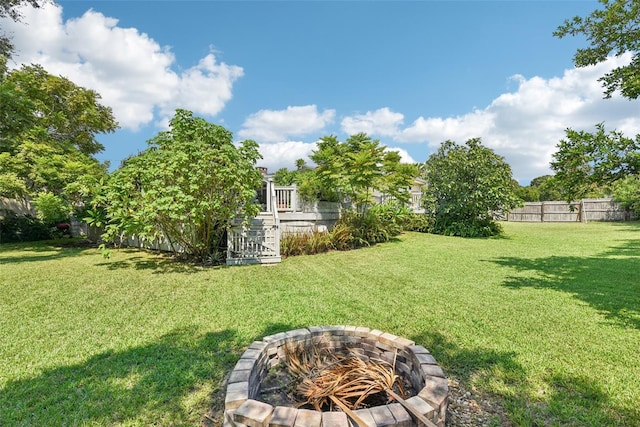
[[411, 74]]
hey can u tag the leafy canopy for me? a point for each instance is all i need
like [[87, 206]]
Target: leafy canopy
[[542, 188], [48, 128], [613, 29], [358, 166], [186, 187], [586, 161], [465, 184]]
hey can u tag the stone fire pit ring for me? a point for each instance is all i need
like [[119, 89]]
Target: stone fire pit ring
[[244, 409]]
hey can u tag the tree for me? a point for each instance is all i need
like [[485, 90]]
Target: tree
[[585, 162], [397, 177], [527, 193], [614, 29], [465, 184], [542, 188], [186, 187], [358, 166], [48, 129], [627, 192]]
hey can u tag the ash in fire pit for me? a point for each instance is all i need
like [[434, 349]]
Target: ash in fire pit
[[338, 376]]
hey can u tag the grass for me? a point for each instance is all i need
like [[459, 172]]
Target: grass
[[545, 319]]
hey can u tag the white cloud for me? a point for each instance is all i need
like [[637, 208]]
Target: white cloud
[[405, 157], [284, 154], [131, 71], [435, 130], [524, 125], [380, 122], [279, 125]]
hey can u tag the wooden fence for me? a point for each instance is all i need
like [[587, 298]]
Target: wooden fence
[[583, 211]]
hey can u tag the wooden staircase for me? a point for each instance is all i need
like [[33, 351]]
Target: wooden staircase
[[259, 243]]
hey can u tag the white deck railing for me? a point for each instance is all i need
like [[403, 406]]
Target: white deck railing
[[286, 198], [260, 242]]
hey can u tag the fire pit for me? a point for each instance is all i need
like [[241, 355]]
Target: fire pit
[[244, 406]]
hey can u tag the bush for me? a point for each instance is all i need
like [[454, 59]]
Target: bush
[[418, 222], [309, 243], [51, 208], [475, 227], [18, 228], [354, 229], [379, 224]]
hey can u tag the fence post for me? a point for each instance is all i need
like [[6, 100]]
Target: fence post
[[294, 198], [541, 211], [583, 217], [270, 200]]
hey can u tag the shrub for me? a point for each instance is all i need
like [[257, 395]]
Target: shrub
[[418, 222], [308, 243], [51, 208], [18, 228], [378, 224], [476, 227], [342, 237], [354, 229]]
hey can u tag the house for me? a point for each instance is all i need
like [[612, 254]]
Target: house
[[284, 212]]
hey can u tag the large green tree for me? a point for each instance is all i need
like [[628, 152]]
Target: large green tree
[[614, 29], [186, 187], [465, 184], [586, 162], [358, 166], [48, 130], [542, 188]]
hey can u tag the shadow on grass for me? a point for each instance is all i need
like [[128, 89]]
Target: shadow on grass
[[515, 399], [467, 364], [153, 384], [37, 251], [168, 382], [159, 263], [609, 282]]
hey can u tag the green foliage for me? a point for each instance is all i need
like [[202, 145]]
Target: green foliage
[[22, 228], [476, 227], [397, 177], [613, 30], [353, 169], [542, 188], [309, 243], [585, 162], [51, 208], [465, 185], [528, 193], [311, 188], [547, 188], [378, 224], [309, 185], [284, 176], [186, 187], [418, 222], [627, 192], [48, 129]]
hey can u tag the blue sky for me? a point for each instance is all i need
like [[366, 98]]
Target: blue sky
[[285, 73]]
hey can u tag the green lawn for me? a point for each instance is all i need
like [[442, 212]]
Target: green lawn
[[546, 319]]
